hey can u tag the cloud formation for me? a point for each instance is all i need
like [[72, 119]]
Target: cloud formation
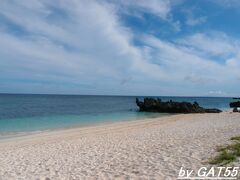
[[87, 47]]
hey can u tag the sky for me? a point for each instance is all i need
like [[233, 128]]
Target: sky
[[120, 47]]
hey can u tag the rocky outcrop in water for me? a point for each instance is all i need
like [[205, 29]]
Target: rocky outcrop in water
[[236, 98], [157, 105], [235, 109], [235, 104]]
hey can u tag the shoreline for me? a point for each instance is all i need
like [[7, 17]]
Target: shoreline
[[9, 135], [81, 129], [148, 149]]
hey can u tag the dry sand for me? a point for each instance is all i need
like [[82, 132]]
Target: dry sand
[[144, 149]]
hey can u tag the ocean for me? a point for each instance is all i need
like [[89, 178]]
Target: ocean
[[29, 113]]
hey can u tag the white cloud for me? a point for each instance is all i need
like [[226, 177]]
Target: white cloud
[[85, 44], [159, 8], [217, 93], [214, 43], [191, 18], [184, 63], [191, 21]]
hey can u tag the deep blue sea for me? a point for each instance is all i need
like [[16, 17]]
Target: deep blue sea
[[26, 113]]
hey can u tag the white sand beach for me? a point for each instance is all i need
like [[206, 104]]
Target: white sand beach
[[143, 149]]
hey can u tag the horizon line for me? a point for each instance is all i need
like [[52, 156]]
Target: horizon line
[[59, 94]]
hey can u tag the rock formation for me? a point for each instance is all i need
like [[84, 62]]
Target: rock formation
[[235, 104], [157, 105], [235, 109]]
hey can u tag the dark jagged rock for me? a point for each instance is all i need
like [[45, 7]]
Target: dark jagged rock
[[235, 104], [235, 109], [236, 98], [157, 105], [212, 110]]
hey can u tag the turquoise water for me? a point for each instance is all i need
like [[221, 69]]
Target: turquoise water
[[26, 113], [39, 123]]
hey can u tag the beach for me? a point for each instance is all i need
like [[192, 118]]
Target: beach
[[142, 149]]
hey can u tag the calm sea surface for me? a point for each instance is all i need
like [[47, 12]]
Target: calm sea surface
[[24, 113]]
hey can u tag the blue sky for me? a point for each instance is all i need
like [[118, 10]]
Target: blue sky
[[120, 47]]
